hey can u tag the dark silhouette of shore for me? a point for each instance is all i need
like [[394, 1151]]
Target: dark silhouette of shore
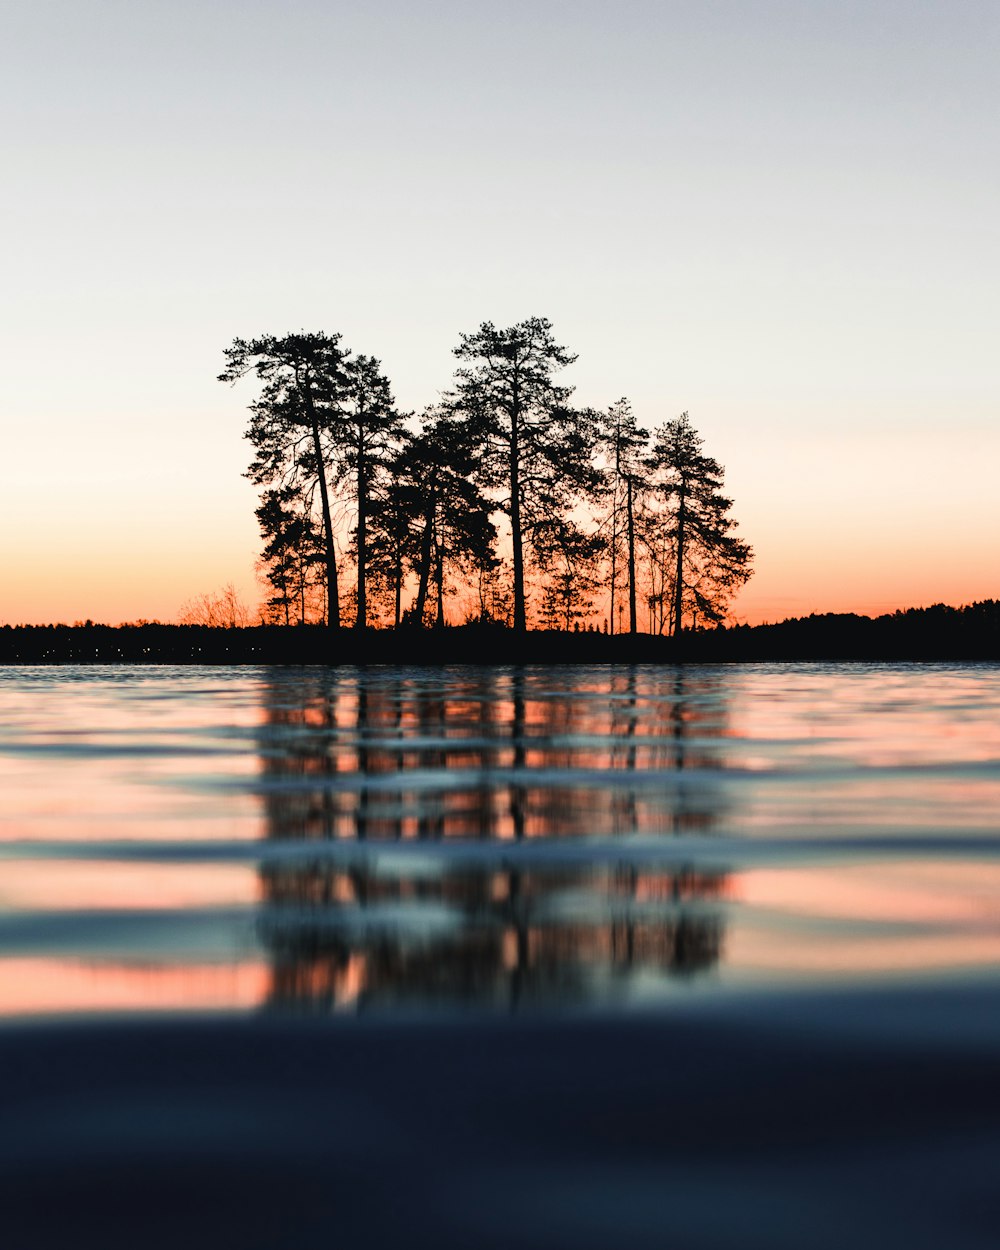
[[938, 633]]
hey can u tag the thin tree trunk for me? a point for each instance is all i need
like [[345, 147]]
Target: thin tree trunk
[[332, 589], [632, 622], [362, 532], [614, 527], [679, 569], [285, 592], [399, 583], [425, 569], [520, 621], [440, 586]]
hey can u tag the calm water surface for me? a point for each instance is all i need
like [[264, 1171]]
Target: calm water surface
[[516, 839]]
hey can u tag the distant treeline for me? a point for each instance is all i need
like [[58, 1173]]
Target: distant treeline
[[919, 634]]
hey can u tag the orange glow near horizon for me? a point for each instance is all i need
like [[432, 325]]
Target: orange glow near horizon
[[769, 597], [40, 986], [133, 590], [837, 525]]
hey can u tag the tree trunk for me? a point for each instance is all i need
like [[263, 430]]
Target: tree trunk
[[286, 595], [614, 527], [679, 570], [362, 536], [520, 621], [399, 583], [332, 590], [439, 574], [632, 622], [425, 569]]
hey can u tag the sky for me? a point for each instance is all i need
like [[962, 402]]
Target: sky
[[782, 217]]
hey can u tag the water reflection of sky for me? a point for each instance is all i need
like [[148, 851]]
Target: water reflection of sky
[[389, 838]]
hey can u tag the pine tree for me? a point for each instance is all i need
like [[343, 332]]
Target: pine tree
[[292, 554], [536, 449], [295, 421], [433, 479], [391, 536], [709, 562], [569, 564], [366, 432], [622, 444]]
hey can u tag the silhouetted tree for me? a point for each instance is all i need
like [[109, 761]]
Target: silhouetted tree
[[292, 553], [296, 421], [391, 537], [622, 445], [656, 546], [434, 478], [710, 562], [568, 558], [493, 590], [536, 450], [367, 430]]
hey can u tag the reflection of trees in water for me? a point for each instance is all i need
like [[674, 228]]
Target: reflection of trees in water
[[498, 756], [502, 944]]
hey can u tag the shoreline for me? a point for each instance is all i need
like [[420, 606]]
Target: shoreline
[[937, 634]]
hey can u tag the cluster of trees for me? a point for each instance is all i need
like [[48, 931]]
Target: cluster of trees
[[503, 494]]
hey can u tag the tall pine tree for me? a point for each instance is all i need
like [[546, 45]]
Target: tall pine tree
[[709, 562], [536, 449]]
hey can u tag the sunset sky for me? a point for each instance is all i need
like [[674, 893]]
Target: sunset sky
[[782, 217]]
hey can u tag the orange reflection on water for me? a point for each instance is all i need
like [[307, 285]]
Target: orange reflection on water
[[893, 715], [38, 986], [886, 917], [693, 760], [774, 953], [51, 884], [91, 800], [101, 754], [931, 892]]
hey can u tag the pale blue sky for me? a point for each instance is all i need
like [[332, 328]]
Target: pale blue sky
[[782, 217]]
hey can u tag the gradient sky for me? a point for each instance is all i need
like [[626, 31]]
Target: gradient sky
[[781, 217]]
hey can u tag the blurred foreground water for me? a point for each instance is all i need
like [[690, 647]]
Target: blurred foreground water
[[695, 957]]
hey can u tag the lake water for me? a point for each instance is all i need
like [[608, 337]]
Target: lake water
[[523, 840]]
